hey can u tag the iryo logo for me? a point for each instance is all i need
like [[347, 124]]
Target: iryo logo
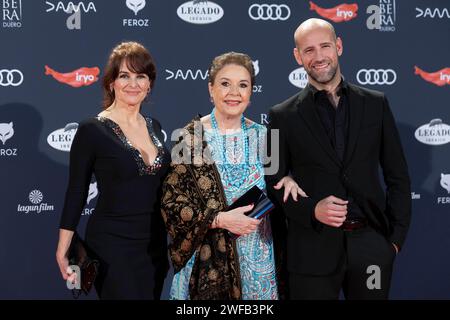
[[439, 78], [77, 78], [341, 13]]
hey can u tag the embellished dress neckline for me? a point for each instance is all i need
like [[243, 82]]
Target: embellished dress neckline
[[143, 168]]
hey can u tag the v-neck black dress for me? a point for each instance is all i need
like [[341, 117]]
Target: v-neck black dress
[[126, 231]]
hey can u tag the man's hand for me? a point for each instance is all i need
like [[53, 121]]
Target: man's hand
[[331, 211]]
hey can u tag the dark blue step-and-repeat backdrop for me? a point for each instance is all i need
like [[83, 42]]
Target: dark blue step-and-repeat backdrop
[[53, 53]]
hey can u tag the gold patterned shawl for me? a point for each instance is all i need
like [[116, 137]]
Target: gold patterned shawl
[[192, 197]]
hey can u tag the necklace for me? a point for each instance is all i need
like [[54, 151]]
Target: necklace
[[235, 173]]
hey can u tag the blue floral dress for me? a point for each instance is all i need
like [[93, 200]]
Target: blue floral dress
[[255, 250]]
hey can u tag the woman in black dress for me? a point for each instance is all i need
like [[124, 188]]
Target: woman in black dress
[[125, 152]]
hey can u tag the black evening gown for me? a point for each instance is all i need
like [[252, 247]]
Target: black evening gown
[[126, 231]]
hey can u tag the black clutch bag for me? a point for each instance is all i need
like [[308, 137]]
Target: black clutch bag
[[78, 255], [262, 205]]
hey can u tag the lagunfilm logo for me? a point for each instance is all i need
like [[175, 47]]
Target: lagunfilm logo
[[434, 133], [136, 6], [61, 139], [200, 12], [6, 133], [35, 197], [11, 11], [382, 16], [299, 77]]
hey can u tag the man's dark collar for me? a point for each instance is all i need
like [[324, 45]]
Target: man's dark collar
[[342, 88]]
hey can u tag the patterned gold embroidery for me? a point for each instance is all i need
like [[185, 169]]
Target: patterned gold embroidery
[[213, 274], [172, 179], [204, 183], [212, 203], [186, 213], [180, 169], [205, 252]]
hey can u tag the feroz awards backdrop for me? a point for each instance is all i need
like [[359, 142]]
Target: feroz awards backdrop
[[52, 58]]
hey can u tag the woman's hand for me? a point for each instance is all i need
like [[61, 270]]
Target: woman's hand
[[236, 221], [290, 187], [66, 271], [65, 237]]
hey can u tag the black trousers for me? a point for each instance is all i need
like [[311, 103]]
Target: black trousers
[[364, 272]]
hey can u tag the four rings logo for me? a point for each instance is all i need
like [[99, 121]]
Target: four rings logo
[[376, 76], [269, 12], [13, 77]]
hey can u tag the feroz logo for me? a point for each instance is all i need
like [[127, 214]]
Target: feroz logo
[[382, 17], [376, 76], [188, 74], [341, 13], [200, 12], [299, 78], [439, 78], [13, 77], [77, 78], [445, 183], [432, 13], [135, 6], [37, 206], [256, 66], [61, 139], [434, 133], [6, 133], [93, 192], [267, 12], [11, 13]]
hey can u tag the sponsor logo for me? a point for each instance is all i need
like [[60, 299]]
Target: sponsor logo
[[382, 17], [188, 74], [433, 13], [77, 78], [37, 206], [439, 78], [264, 120], [164, 134], [13, 77], [6, 133], [434, 133], [415, 196], [445, 184], [11, 13], [341, 13], [92, 193], [200, 12], [257, 88], [376, 76], [73, 22], [61, 139], [135, 6], [299, 77], [256, 66], [271, 12]]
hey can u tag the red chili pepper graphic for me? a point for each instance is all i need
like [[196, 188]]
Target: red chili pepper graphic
[[439, 78], [340, 13], [77, 78]]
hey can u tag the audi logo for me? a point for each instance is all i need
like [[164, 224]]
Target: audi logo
[[376, 76], [12, 77], [269, 12]]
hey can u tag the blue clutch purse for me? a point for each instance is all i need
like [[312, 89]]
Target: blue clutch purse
[[262, 206]]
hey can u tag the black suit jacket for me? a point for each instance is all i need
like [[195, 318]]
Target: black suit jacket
[[307, 154]]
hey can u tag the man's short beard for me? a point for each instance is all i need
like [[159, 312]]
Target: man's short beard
[[329, 76]]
